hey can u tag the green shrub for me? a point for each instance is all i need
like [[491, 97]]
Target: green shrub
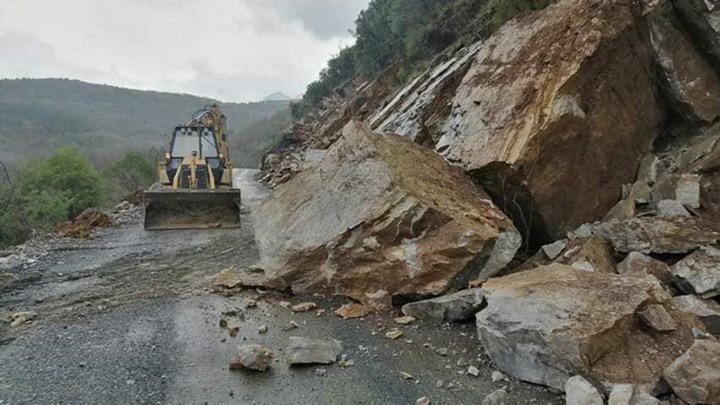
[[133, 171], [46, 209], [65, 174]]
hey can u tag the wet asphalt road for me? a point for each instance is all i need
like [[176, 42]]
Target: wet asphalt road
[[135, 323]]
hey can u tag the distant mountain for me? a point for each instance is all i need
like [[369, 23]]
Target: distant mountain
[[37, 115], [278, 97]]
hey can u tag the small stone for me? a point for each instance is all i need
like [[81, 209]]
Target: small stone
[[439, 384], [234, 331], [462, 362], [290, 326], [304, 307], [473, 371], [578, 391], [20, 318], [352, 311], [394, 334], [405, 320], [312, 351], [321, 372], [223, 323], [498, 376], [656, 317], [346, 363], [621, 394], [262, 329], [252, 357], [406, 376], [443, 351], [251, 304], [496, 398], [553, 250], [423, 401], [285, 304], [227, 279]]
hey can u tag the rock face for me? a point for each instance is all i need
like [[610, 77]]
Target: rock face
[[552, 101], [449, 308], [548, 324], [695, 376], [688, 79], [381, 213], [700, 17], [312, 351], [699, 273]]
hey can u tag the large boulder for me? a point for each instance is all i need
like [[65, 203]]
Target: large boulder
[[556, 112], [551, 323], [381, 214]]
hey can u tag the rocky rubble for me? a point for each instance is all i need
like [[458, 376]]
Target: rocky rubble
[[592, 125]]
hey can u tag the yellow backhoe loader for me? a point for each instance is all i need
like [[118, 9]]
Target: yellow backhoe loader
[[196, 178]]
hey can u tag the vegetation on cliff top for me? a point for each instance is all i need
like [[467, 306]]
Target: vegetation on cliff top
[[409, 33]]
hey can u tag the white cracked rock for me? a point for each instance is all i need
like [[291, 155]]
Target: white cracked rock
[[450, 308], [252, 357], [312, 351], [579, 391]]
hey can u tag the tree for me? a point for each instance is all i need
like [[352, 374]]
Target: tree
[[66, 178], [133, 171]]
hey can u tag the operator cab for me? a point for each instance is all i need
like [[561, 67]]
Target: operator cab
[[197, 141]]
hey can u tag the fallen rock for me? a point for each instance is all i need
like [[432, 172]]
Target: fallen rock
[[423, 401], [304, 307], [473, 371], [252, 357], [352, 311], [378, 301], [5, 253], [394, 225], [548, 324], [656, 317], [227, 279], [657, 235], [671, 208], [405, 320], [312, 351], [695, 376], [495, 398], [450, 308], [707, 310], [20, 318], [12, 262], [638, 264], [578, 391], [553, 250], [626, 394], [699, 273], [394, 334]]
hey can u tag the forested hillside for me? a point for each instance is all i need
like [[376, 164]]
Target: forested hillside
[[37, 115]]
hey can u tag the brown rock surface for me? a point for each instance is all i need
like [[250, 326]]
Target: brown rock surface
[[548, 324], [638, 264], [657, 234], [561, 100], [381, 213], [695, 376]]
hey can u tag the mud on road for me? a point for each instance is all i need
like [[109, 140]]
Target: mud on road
[[130, 317]]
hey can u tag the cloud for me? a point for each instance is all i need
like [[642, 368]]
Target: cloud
[[235, 50], [325, 19]]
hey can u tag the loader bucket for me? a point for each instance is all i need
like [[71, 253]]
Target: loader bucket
[[192, 209]]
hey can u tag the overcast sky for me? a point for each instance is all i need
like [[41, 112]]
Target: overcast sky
[[234, 50]]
